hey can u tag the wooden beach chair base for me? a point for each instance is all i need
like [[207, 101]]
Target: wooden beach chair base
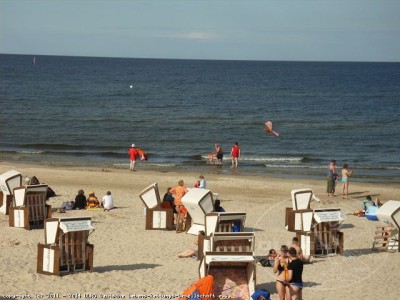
[[382, 238]]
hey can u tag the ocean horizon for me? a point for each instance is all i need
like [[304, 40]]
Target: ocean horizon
[[87, 111]]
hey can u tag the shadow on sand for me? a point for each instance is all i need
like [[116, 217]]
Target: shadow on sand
[[124, 267]]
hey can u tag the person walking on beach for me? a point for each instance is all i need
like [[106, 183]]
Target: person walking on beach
[[132, 156], [235, 154], [331, 177], [346, 173]]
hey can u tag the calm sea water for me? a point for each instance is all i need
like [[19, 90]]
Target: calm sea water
[[82, 111]]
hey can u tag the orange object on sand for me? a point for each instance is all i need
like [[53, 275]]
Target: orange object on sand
[[204, 287]]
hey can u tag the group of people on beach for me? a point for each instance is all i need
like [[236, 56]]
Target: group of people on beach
[[81, 202], [217, 156], [288, 266], [333, 177], [173, 199]]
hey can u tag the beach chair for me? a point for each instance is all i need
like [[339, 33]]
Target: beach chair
[[232, 242], [324, 237], [198, 202], [66, 248], [8, 181], [299, 216], [388, 235], [157, 217], [234, 273], [29, 208], [224, 222]]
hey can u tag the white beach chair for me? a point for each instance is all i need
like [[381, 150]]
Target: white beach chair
[[198, 203], [234, 273], [66, 248], [388, 235], [224, 222], [8, 182], [156, 217], [324, 237], [29, 208]]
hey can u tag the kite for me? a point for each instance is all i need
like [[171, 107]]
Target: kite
[[268, 128]]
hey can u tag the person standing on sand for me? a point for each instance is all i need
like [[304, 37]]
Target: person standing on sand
[[345, 180], [132, 156], [179, 191], [235, 154], [331, 178], [295, 269]]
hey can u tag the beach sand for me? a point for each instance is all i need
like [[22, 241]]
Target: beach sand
[[130, 260]]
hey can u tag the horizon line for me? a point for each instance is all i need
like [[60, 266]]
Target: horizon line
[[210, 59]]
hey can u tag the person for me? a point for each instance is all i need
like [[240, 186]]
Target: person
[[281, 269], [197, 184], [378, 202], [179, 192], [202, 182], [270, 259], [346, 173], [367, 202], [295, 244], [235, 154], [80, 200], [218, 207], [295, 274], [219, 154], [107, 201], [261, 295], [192, 252], [331, 178], [132, 156], [92, 201], [169, 199]]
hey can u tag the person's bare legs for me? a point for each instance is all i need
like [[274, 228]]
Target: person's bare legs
[[295, 292], [281, 289], [187, 253], [345, 190]]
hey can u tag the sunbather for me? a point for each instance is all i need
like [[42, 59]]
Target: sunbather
[[191, 252]]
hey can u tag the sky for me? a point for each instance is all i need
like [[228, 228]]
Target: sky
[[289, 30]]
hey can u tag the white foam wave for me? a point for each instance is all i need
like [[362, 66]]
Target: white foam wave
[[30, 152], [163, 165], [294, 166], [254, 158]]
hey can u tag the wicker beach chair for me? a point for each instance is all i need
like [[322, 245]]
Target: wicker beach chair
[[29, 208], [66, 248]]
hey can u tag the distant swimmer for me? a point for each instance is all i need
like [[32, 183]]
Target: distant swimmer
[[268, 128]]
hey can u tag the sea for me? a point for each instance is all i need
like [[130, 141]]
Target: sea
[[87, 111]]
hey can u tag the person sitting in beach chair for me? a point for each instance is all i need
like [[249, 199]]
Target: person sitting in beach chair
[[92, 201]]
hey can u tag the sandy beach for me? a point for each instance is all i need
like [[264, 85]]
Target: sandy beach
[[130, 260]]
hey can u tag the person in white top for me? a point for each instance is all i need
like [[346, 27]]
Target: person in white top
[[202, 182], [107, 201]]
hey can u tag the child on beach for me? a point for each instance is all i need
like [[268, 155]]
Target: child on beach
[[345, 180]]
